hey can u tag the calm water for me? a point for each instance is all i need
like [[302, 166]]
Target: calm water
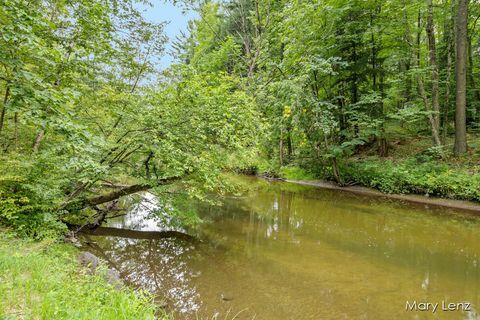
[[283, 251]]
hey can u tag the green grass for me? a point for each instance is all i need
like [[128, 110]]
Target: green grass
[[42, 280]]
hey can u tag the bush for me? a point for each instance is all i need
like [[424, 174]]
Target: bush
[[23, 210]]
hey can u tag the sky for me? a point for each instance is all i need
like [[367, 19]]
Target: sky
[[177, 22]]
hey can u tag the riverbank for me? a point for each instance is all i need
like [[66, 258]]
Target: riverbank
[[469, 206], [412, 168], [42, 280]]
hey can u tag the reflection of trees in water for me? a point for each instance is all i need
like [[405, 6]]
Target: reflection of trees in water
[[159, 266], [146, 212], [384, 232], [286, 223], [262, 217]]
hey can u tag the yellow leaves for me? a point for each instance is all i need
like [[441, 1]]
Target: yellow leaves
[[287, 112]]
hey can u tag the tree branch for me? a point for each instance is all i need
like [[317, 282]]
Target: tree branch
[[125, 191]]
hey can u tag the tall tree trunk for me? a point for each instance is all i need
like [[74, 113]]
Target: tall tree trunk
[[449, 36], [434, 66], [419, 37], [408, 61], [461, 78], [374, 56], [421, 86], [382, 146], [423, 95], [447, 93], [382, 142]]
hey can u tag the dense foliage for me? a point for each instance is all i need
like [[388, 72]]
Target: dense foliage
[[83, 105], [335, 78]]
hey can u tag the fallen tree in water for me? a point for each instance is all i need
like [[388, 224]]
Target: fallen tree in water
[[135, 234]]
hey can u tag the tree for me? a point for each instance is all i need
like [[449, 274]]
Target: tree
[[461, 78], [435, 77]]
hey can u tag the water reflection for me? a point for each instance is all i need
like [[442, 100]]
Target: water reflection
[[292, 252], [141, 215], [160, 266]]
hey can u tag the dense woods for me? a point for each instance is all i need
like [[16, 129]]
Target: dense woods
[[337, 81], [299, 87], [332, 75]]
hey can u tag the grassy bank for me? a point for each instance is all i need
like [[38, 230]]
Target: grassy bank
[[412, 167], [41, 280]]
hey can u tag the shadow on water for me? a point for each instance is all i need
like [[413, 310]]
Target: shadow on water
[[294, 252]]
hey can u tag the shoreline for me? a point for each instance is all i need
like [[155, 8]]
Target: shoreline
[[463, 205]]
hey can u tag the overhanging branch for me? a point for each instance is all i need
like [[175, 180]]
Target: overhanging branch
[[116, 194]]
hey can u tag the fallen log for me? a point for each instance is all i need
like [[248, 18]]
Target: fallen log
[[135, 234]]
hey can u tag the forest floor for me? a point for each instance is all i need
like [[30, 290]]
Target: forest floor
[[42, 280], [418, 146]]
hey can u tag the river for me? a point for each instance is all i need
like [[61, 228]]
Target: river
[[285, 251]]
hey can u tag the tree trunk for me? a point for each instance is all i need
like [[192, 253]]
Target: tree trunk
[[423, 95], [419, 37], [38, 140], [408, 62], [336, 172], [15, 119], [471, 79], [114, 195], [280, 146], [2, 114], [104, 198], [449, 37], [289, 143], [447, 93], [461, 79], [434, 66], [382, 141], [421, 87]]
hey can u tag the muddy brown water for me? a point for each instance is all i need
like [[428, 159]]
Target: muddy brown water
[[285, 251]]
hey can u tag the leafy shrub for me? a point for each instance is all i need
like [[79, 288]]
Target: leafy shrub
[[410, 176], [21, 209]]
